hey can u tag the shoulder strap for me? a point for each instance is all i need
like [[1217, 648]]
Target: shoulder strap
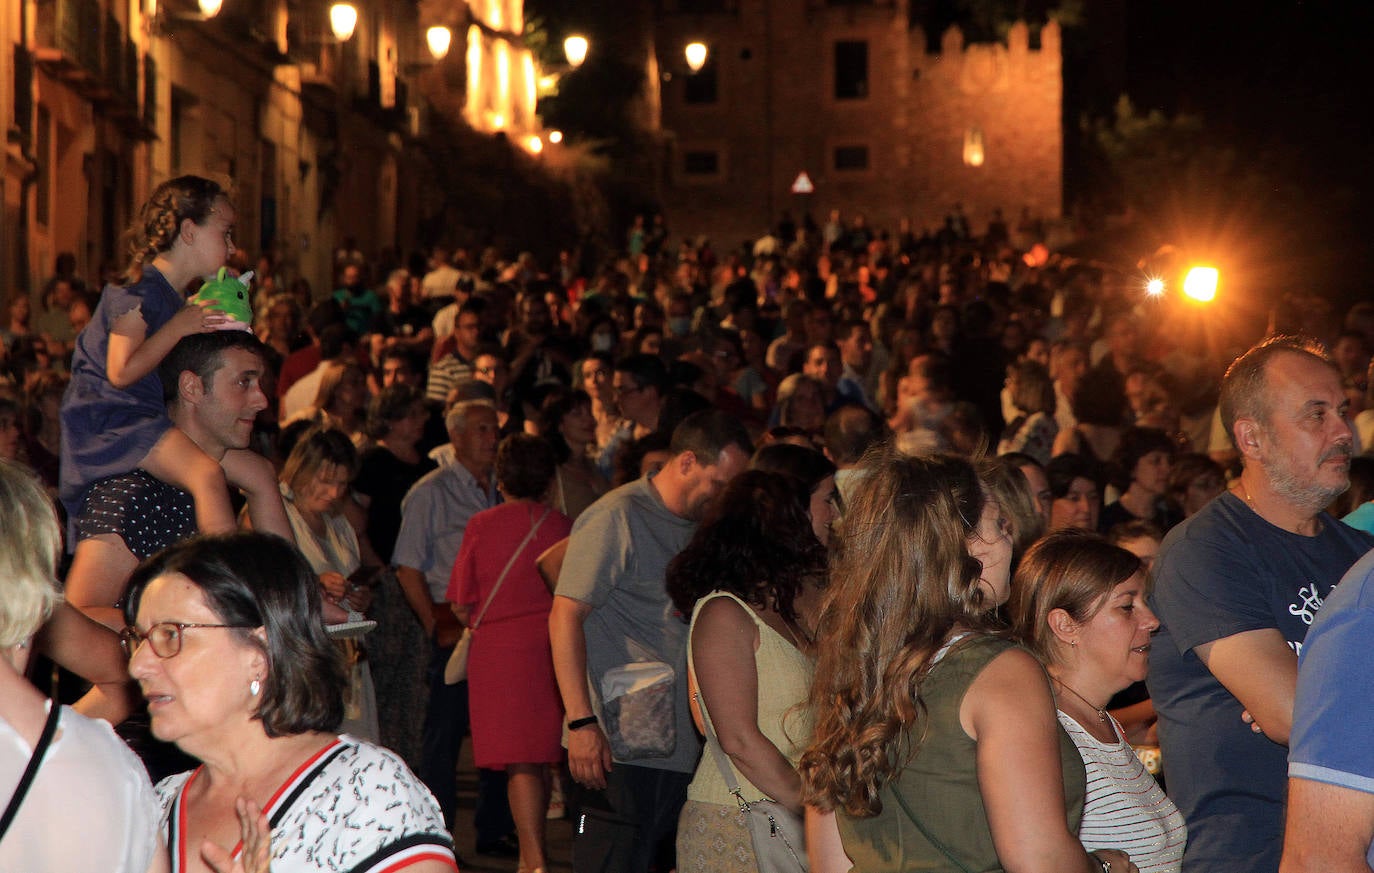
[[534, 528], [712, 742], [44, 740]]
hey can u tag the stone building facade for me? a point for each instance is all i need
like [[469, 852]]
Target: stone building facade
[[849, 94]]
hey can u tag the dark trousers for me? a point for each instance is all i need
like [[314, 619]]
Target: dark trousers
[[446, 723], [623, 828]]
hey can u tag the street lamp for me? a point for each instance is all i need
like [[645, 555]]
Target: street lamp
[[438, 38], [1201, 284], [555, 136], [343, 18], [575, 48], [696, 55], [210, 8]]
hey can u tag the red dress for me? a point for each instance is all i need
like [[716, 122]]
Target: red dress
[[516, 712]]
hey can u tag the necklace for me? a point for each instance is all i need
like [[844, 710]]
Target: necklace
[[1101, 712]]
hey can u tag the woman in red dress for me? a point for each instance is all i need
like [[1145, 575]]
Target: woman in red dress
[[496, 590]]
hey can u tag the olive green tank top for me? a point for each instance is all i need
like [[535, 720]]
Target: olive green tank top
[[940, 784]]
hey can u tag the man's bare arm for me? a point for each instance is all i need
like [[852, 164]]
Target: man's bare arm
[[1329, 828], [1261, 670]]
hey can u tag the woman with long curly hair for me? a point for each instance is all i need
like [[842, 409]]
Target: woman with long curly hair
[[748, 661], [935, 739]]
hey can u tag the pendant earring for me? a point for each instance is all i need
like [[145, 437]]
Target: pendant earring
[[254, 687]]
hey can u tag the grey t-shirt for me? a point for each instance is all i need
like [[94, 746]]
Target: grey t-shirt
[[616, 560]]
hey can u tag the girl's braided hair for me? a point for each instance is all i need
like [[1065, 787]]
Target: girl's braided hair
[[156, 226]]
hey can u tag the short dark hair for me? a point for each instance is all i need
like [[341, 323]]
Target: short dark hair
[[708, 433], [1063, 469], [203, 354], [389, 406], [260, 580], [1243, 388], [648, 371], [808, 465], [1136, 443], [678, 404], [850, 431], [525, 465]]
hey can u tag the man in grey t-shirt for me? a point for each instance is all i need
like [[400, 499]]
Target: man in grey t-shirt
[[611, 609]]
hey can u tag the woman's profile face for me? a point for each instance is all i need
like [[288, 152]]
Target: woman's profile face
[[824, 508], [198, 698], [578, 426], [990, 545], [1115, 642], [322, 492]]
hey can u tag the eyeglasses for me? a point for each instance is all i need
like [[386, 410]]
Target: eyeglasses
[[164, 637]]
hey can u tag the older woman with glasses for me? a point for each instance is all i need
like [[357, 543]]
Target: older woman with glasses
[[228, 644]]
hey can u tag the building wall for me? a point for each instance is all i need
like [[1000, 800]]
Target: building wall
[[777, 115]]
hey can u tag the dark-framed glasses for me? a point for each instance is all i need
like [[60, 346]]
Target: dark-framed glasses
[[164, 637]]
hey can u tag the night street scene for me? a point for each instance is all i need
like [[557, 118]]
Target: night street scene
[[686, 436]]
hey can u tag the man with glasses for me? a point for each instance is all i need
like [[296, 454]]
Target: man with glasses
[[455, 365], [640, 383]]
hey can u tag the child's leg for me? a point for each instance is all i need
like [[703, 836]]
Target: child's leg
[[176, 459], [255, 476]]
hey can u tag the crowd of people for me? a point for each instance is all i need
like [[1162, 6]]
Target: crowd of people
[[930, 551]]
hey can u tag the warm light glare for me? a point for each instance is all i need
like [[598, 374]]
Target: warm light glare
[[555, 136], [575, 48], [1154, 287], [210, 8], [1201, 284], [696, 55], [973, 147], [343, 17], [498, 121], [535, 145], [439, 38]]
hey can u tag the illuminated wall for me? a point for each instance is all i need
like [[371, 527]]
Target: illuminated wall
[[501, 75]]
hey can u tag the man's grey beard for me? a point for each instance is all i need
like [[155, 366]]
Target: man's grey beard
[[1302, 492]]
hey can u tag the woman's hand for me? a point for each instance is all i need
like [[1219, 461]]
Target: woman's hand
[[1118, 862], [256, 835], [335, 585]]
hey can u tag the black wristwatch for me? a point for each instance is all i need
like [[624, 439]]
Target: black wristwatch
[[581, 722]]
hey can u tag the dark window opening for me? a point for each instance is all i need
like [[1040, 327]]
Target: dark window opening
[[701, 163], [702, 86], [851, 158], [851, 70]]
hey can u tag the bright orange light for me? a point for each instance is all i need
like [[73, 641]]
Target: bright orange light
[[535, 145], [1154, 287], [1201, 284], [555, 136], [575, 50]]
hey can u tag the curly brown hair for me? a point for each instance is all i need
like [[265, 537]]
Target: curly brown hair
[[171, 203], [901, 581]]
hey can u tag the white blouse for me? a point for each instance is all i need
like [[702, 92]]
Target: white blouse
[[1125, 808], [90, 807]]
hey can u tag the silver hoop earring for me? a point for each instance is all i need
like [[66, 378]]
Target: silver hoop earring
[[254, 687]]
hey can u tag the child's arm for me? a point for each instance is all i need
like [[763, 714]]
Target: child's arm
[[132, 354]]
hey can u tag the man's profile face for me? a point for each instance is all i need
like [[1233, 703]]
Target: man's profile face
[[475, 444], [233, 399], [708, 481], [1306, 438]]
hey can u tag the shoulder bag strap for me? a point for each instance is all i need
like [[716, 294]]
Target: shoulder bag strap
[[717, 753], [44, 740], [502, 578]]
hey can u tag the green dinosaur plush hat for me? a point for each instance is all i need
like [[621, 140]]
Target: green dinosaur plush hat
[[229, 295]]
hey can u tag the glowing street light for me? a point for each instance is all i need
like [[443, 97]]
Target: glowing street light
[[210, 8], [1154, 287], [535, 145], [555, 136], [696, 55], [438, 38], [575, 48], [1201, 284], [343, 17]]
